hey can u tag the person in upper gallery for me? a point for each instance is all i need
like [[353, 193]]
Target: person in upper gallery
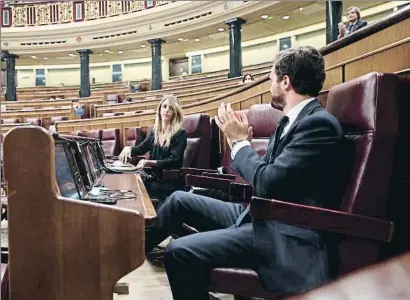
[[355, 23], [247, 79], [302, 165], [166, 144]]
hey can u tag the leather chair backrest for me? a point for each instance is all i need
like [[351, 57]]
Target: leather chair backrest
[[54, 119], [264, 119], [111, 141], [33, 121], [113, 99], [134, 136], [94, 133], [10, 121], [197, 152], [367, 108]]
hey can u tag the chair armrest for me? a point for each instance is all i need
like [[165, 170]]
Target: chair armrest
[[171, 174], [207, 182], [194, 171], [239, 192], [322, 219], [221, 176]]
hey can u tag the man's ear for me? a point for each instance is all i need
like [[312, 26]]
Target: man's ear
[[287, 84]]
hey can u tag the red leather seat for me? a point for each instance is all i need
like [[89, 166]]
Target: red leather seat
[[133, 136], [367, 108], [197, 153], [264, 119], [10, 121], [113, 99], [111, 141], [94, 133], [33, 121], [55, 119]]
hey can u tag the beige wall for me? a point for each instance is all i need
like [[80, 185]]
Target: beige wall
[[68, 76], [26, 78], [102, 74], [134, 71], [215, 61], [260, 53], [316, 39]]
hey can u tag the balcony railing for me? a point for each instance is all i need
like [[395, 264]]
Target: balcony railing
[[40, 14]]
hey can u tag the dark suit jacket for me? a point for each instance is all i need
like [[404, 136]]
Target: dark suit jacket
[[305, 170], [359, 24]]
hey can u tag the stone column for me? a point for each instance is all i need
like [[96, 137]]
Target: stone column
[[334, 12], [156, 77], [85, 90], [11, 94], [235, 48]]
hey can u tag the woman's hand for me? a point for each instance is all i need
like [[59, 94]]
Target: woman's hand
[[143, 163], [125, 154]]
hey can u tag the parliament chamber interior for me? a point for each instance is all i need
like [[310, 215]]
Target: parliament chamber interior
[[117, 117]]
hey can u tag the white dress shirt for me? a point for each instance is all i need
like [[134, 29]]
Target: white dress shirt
[[292, 115]]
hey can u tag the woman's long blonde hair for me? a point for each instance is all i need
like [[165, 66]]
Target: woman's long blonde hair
[[164, 138]]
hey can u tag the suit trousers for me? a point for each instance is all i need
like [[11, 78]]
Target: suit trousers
[[220, 242]]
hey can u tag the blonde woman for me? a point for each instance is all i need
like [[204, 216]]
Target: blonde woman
[[166, 145]]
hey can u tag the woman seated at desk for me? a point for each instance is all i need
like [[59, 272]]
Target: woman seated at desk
[[166, 145]]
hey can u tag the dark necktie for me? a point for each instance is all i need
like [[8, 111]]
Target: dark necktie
[[278, 132]]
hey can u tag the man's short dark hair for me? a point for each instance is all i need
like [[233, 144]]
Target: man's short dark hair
[[304, 66]]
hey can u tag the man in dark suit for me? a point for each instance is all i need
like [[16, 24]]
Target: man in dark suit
[[299, 166], [355, 23]]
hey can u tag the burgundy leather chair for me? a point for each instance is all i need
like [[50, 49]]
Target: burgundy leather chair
[[198, 128], [134, 136], [94, 133], [55, 119], [33, 121], [111, 141], [10, 121], [264, 119], [113, 99], [367, 108]]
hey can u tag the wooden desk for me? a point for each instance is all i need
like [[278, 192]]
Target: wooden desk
[[131, 182], [62, 248]]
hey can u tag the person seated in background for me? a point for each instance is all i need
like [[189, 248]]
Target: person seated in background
[[247, 79], [93, 80], [78, 109], [353, 16], [166, 144], [302, 165]]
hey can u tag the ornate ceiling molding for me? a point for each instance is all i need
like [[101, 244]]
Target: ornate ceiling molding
[[125, 30]]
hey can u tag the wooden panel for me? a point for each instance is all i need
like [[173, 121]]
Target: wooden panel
[[333, 77], [388, 61], [61, 248]]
